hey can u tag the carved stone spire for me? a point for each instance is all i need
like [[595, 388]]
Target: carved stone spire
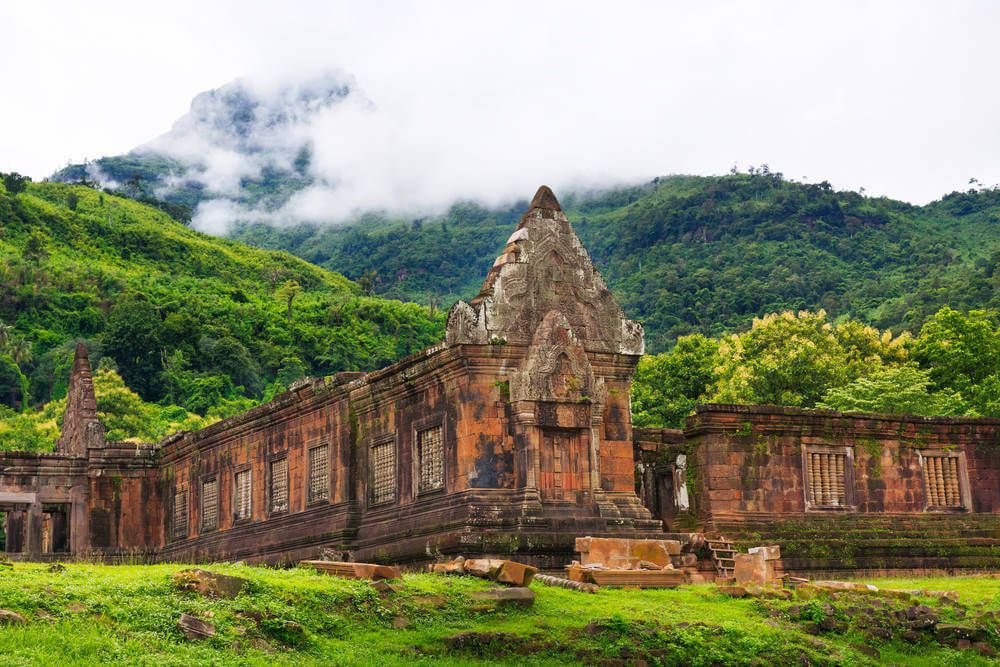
[[81, 428], [544, 268]]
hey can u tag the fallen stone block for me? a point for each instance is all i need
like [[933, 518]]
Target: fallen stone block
[[751, 569], [949, 634], [515, 574], [369, 571], [733, 591], [769, 552], [195, 628], [454, 566], [209, 584], [845, 586], [485, 568], [8, 617], [616, 551], [684, 560], [518, 596]]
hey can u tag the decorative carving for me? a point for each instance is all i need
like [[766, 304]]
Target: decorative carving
[[81, 428], [544, 268], [557, 368]]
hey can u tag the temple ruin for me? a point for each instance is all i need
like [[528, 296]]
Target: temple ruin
[[511, 438]]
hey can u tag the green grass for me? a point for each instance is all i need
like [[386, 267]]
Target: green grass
[[128, 615]]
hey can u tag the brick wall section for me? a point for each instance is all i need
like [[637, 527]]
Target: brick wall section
[[748, 459]]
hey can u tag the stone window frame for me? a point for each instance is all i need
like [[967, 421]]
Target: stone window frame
[[175, 534], [964, 488], [271, 460], [310, 447], [206, 479], [849, 500], [417, 428], [237, 471], [370, 476]]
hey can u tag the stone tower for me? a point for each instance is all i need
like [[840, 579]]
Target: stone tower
[[81, 429]]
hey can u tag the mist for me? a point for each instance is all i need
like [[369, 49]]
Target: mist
[[453, 101]]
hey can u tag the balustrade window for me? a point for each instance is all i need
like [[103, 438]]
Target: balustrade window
[[942, 480], [279, 485], [382, 472], [180, 514], [319, 473], [430, 455], [244, 495], [827, 478], [209, 504]]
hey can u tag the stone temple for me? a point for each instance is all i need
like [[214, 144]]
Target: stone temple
[[511, 438]]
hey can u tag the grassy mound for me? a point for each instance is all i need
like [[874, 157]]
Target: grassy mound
[[85, 614]]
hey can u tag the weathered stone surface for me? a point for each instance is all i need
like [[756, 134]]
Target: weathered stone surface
[[485, 568], [618, 552], [733, 591], [751, 569], [195, 628], [210, 584], [8, 617], [514, 596], [950, 634], [516, 574], [454, 566], [368, 571], [769, 552]]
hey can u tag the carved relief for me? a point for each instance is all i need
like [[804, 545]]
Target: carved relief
[[544, 268], [557, 368]]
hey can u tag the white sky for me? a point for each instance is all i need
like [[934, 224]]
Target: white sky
[[489, 100]]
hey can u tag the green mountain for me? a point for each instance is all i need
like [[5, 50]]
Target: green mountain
[[699, 254], [187, 319]]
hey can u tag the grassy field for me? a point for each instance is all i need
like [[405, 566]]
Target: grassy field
[[87, 614]]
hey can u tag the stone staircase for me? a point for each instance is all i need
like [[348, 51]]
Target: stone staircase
[[878, 542]]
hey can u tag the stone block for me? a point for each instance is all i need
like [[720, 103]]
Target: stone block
[[8, 617], [750, 569], [369, 571], [485, 568], [515, 597], [195, 628], [733, 591], [209, 584], [516, 574], [770, 552]]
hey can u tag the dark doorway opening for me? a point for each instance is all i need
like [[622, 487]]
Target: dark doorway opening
[[55, 528]]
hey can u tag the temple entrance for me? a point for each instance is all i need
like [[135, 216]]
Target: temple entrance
[[564, 465], [55, 528], [13, 530]]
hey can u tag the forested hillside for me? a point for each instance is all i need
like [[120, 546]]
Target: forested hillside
[[691, 254], [186, 319]]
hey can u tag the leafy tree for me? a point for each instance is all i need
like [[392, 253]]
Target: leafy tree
[[962, 353], [132, 337], [785, 359], [667, 386], [287, 293], [895, 389], [14, 182], [13, 384]]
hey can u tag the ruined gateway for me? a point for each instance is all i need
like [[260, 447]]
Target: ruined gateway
[[511, 437]]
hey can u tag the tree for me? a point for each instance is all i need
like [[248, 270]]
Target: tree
[[667, 386], [132, 337], [785, 359], [962, 353], [287, 293], [36, 248], [72, 200], [13, 385], [14, 182], [895, 389]]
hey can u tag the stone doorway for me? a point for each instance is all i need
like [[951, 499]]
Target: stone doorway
[[55, 528], [13, 525], [564, 465]]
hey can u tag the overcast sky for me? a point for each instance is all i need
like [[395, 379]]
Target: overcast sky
[[489, 100]]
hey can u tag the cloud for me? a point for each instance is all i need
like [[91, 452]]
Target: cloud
[[488, 100]]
